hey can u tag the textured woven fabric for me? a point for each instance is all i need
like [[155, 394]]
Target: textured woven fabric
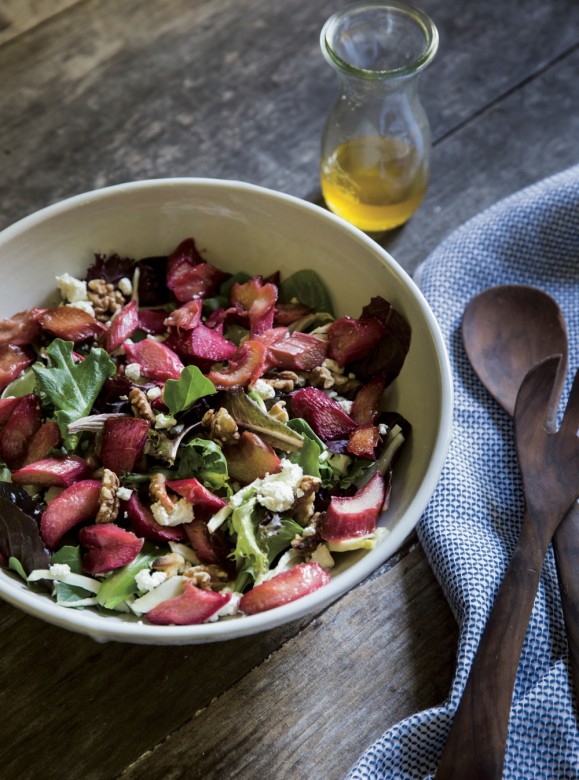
[[470, 527]]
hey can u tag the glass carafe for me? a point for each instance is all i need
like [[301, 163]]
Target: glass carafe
[[375, 158]]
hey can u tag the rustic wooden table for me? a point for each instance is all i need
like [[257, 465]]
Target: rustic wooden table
[[95, 92]]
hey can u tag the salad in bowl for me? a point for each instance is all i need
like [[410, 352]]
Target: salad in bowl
[[185, 445]]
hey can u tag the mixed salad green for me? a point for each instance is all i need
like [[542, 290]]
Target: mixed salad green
[[184, 445]]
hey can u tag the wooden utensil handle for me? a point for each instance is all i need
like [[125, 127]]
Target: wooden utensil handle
[[476, 744], [566, 544]]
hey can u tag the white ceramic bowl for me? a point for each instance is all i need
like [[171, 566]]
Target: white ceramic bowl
[[241, 227]]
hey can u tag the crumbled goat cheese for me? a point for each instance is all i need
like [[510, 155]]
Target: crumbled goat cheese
[[125, 286], [147, 580], [346, 404], [124, 493], [164, 421], [71, 289], [133, 372], [231, 608], [382, 429], [59, 570], [153, 393], [263, 389], [278, 492], [182, 513]]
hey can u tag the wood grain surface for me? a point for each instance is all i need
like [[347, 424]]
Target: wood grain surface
[[96, 92]]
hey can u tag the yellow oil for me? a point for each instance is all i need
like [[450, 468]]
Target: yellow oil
[[373, 182]]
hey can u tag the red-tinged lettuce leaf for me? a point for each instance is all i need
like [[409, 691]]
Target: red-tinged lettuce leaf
[[389, 354], [111, 268], [19, 534]]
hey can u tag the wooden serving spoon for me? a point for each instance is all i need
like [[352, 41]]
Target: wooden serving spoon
[[506, 330], [549, 464]]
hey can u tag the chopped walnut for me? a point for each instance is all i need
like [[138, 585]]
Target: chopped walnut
[[310, 538], [106, 300], [284, 381], [322, 377], [206, 576], [346, 385], [303, 508], [108, 500], [222, 427], [171, 564], [279, 412], [158, 492], [140, 405]]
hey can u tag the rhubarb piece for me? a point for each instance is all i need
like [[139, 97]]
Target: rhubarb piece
[[109, 547], [46, 438], [288, 586], [152, 320], [210, 548], [287, 313], [356, 515], [20, 329], [53, 472], [17, 433], [70, 323], [13, 361], [326, 416], [366, 406], [299, 352], [390, 352], [124, 324], [186, 317], [196, 493], [123, 442], [144, 524], [251, 458], [76, 504], [258, 301], [202, 343], [156, 360], [245, 367], [189, 276], [363, 442], [6, 408], [192, 606], [351, 339]]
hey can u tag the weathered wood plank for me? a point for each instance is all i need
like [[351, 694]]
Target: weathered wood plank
[[382, 653], [19, 16], [109, 91]]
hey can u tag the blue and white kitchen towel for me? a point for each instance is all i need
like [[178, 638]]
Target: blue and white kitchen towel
[[470, 527]]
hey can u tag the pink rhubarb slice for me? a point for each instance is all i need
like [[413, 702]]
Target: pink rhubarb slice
[[192, 606], [53, 472], [356, 515], [157, 361], [144, 524], [76, 504], [109, 547], [123, 442], [288, 586], [326, 416]]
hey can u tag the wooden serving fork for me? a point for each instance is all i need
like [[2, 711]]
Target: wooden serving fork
[[549, 464]]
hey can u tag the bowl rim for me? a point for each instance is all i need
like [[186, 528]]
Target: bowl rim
[[117, 628]]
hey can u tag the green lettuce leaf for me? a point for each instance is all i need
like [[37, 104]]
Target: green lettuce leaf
[[63, 591], [309, 455], [258, 543], [247, 413], [180, 394], [121, 585], [71, 387], [203, 459]]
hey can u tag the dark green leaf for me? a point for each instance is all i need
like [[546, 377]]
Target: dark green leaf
[[306, 287], [180, 394]]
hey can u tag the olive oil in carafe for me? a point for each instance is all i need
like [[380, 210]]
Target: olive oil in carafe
[[373, 182]]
